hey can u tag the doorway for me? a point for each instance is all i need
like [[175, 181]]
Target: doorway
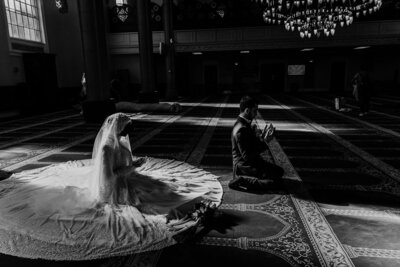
[[272, 77], [210, 79], [338, 77]]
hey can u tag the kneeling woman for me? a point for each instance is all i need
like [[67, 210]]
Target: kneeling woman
[[111, 205]]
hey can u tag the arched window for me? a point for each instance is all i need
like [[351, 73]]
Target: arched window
[[24, 20]]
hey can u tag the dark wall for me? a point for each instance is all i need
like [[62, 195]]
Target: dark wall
[[64, 40], [21, 82], [328, 69]]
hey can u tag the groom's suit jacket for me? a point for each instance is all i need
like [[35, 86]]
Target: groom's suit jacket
[[246, 147]]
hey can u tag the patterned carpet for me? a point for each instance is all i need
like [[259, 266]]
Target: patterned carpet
[[340, 206]]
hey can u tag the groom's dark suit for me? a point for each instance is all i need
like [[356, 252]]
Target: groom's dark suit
[[247, 161]]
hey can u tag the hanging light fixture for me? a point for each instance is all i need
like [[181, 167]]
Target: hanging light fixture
[[316, 17], [122, 9], [62, 6]]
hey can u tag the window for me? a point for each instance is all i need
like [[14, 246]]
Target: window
[[24, 20]]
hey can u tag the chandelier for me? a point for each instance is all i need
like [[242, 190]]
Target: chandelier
[[122, 9], [62, 6], [316, 17]]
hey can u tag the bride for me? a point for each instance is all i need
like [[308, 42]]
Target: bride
[[111, 205]]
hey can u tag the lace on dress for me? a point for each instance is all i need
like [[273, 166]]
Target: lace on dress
[[102, 207]]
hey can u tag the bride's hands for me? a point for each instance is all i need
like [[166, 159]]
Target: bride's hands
[[138, 162]]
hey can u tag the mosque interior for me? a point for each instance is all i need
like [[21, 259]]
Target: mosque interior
[[340, 202]]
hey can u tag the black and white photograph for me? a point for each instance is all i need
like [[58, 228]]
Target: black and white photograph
[[204, 133]]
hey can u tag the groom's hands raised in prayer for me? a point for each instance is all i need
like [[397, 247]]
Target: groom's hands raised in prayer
[[268, 133]]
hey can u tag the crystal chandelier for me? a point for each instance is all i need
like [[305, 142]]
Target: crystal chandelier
[[316, 17]]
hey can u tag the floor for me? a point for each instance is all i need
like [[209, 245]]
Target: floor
[[342, 173]]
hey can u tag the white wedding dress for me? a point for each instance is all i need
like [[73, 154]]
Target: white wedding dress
[[108, 206]]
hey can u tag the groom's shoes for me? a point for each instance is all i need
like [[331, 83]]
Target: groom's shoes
[[246, 183]]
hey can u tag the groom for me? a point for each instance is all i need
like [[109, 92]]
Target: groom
[[250, 170]]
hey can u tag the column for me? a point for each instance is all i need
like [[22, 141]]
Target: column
[[171, 92], [147, 93], [94, 49]]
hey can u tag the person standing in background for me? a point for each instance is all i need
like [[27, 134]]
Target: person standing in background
[[83, 92], [362, 90]]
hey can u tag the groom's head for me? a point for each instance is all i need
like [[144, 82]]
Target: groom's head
[[248, 107]]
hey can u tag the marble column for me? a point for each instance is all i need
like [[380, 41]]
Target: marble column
[[92, 16], [171, 92], [147, 93]]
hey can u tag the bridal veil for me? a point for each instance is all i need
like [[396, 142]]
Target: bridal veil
[[108, 206]]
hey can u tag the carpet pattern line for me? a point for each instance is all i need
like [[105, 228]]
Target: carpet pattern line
[[289, 243], [38, 117], [320, 233], [388, 186], [322, 236], [197, 154], [356, 252], [371, 111], [41, 135], [377, 163], [381, 214], [157, 130], [374, 126], [39, 123]]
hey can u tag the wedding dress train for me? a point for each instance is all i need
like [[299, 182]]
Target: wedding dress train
[[108, 206]]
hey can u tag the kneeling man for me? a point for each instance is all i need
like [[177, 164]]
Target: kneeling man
[[250, 170]]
